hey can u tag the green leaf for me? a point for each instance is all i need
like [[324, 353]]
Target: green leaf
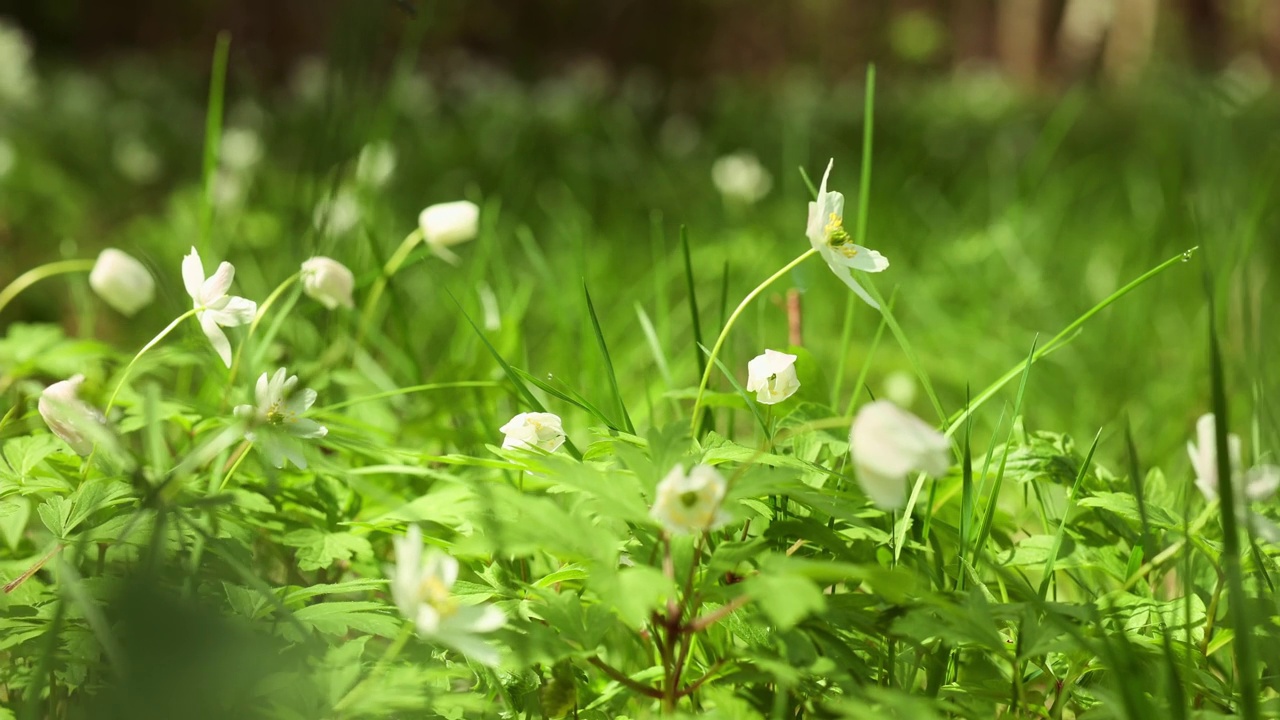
[[340, 618], [15, 513], [318, 549]]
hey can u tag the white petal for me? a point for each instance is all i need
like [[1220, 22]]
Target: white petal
[[217, 338], [887, 492], [192, 275], [262, 391], [1261, 482], [217, 284], [846, 277], [237, 311]]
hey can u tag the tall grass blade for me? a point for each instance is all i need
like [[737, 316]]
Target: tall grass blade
[[608, 361], [1238, 602], [213, 133], [1072, 498]]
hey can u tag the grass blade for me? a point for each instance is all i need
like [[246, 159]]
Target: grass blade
[[213, 133], [1072, 498], [1238, 605], [608, 361], [1067, 334]]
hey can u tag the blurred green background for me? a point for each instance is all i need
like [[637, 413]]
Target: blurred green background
[[1030, 158]]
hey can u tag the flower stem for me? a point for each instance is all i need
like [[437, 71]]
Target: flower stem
[[111, 401], [36, 274], [724, 332], [257, 320], [380, 285]]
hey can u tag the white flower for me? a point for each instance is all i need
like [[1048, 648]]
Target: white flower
[[447, 224], [216, 309], [535, 429], [827, 235], [17, 77], [376, 164], [276, 418], [135, 160], [772, 377], [741, 178], [69, 417], [888, 444], [328, 282], [337, 214], [691, 503], [1260, 482], [241, 149], [121, 281], [422, 590]]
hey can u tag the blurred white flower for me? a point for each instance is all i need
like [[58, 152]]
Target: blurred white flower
[[772, 377], [216, 309], [121, 281], [826, 233], [1259, 483], [888, 444], [135, 160], [691, 503], [68, 416], [309, 79], [534, 429], [337, 214], [17, 78], [679, 136], [741, 178], [328, 282], [275, 419], [376, 164], [422, 588], [241, 149], [228, 188], [447, 224]]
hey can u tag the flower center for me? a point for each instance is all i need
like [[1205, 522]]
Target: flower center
[[689, 498], [277, 415], [434, 593], [838, 237]]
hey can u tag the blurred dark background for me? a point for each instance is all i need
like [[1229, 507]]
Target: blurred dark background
[[1041, 43]]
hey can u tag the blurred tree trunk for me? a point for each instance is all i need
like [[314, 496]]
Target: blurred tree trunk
[[1204, 28], [1129, 43], [1019, 39]]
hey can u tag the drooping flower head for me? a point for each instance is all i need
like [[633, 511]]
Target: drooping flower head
[[216, 309], [772, 377], [889, 443], [328, 282], [422, 588], [446, 224], [69, 417], [121, 281], [534, 429], [693, 502], [276, 421], [827, 234]]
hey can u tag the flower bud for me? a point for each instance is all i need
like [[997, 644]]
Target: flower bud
[[67, 415], [121, 281], [772, 377], [449, 223], [889, 443], [328, 282]]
